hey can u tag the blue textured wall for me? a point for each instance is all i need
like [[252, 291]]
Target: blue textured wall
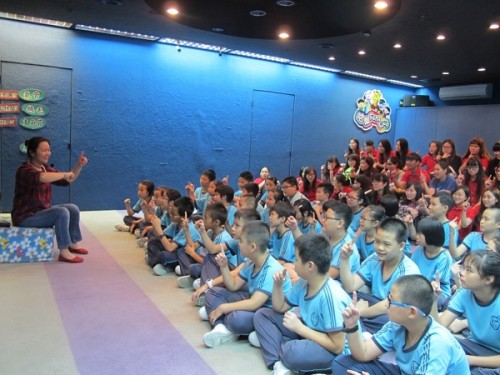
[[143, 110]]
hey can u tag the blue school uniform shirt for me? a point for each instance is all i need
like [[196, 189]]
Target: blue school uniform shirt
[[179, 237], [308, 228], [198, 193], [428, 267], [354, 261], [282, 247], [475, 241], [448, 184], [137, 206], [263, 280], [354, 226], [231, 211], [437, 351], [446, 227], [201, 203], [322, 311], [221, 238], [264, 215], [365, 249], [371, 273], [234, 247], [165, 219], [484, 320]]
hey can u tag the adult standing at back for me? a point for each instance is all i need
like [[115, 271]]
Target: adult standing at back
[[32, 206]]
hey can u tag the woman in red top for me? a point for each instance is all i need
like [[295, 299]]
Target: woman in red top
[[32, 206], [477, 149], [431, 158], [474, 177], [310, 183]]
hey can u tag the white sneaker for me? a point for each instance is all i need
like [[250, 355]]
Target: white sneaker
[[196, 283], [203, 313], [137, 233], [142, 242], [219, 335], [178, 270], [253, 339], [122, 227], [185, 282], [160, 270], [280, 369]]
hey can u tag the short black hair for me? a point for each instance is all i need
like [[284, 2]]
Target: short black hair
[[327, 188], [184, 206], [225, 191], [247, 214], [150, 186], [433, 231], [210, 173], [173, 194], [216, 211], [390, 203], [417, 291], [252, 188], [396, 226], [445, 199], [314, 247], [291, 180], [414, 156], [257, 232], [247, 175], [283, 209], [342, 210]]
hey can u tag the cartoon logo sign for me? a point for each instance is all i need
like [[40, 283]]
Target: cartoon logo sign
[[373, 111]]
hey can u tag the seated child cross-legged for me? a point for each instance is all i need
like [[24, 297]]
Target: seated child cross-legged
[[379, 271], [231, 310], [310, 338], [211, 244], [421, 345]]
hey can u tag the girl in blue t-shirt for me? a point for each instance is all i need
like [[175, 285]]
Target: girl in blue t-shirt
[[479, 301], [307, 221]]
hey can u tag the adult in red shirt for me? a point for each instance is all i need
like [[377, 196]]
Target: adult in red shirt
[[32, 206], [414, 173]]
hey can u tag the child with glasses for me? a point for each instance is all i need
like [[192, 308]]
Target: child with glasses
[[421, 345]]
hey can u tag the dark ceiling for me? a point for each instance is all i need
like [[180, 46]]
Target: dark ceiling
[[319, 29]]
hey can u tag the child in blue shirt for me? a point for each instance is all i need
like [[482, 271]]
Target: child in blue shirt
[[439, 206], [369, 221], [210, 245], [145, 191], [479, 301], [309, 339], [164, 249], [379, 271], [231, 310], [489, 228], [281, 243], [433, 261], [306, 217], [225, 194], [421, 345]]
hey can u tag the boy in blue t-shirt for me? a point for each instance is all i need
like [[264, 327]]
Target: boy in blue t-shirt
[[421, 345], [281, 243], [163, 250], [202, 264], [231, 310], [379, 271], [310, 338], [225, 194], [440, 204]]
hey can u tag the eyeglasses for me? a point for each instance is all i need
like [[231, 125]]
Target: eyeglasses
[[287, 186], [324, 217], [401, 304], [366, 219], [473, 167]]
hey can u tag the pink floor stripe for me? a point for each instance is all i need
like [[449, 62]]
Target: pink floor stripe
[[113, 328]]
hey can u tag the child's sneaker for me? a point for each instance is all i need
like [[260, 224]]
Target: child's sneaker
[[253, 339], [137, 233], [141, 242], [203, 313], [160, 270], [196, 283], [122, 228], [178, 270], [200, 300], [280, 369], [219, 335], [185, 281]]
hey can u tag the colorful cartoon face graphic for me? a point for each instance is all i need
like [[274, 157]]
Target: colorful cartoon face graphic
[[373, 111]]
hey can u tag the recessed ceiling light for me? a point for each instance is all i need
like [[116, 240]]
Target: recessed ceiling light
[[397, 45], [258, 13], [331, 58], [283, 35], [414, 77], [494, 26], [481, 69], [380, 5], [173, 11], [361, 52], [285, 3], [440, 37], [446, 73]]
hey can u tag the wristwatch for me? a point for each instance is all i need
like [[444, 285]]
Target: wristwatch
[[350, 330]]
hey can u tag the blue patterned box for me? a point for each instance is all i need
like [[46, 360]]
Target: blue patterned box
[[26, 244]]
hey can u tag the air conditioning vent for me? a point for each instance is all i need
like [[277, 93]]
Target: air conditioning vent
[[479, 91]]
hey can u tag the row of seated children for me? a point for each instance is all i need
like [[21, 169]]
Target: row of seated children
[[218, 334]]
